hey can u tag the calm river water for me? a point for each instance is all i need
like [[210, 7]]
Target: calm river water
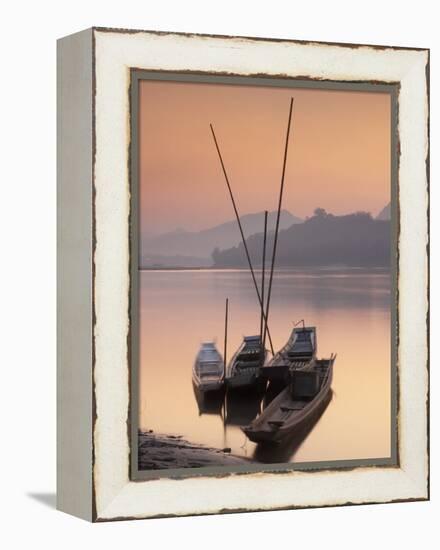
[[351, 310]]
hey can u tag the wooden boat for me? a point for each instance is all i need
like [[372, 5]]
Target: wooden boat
[[290, 411], [285, 450], [208, 370], [243, 371], [298, 353], [300, 348]]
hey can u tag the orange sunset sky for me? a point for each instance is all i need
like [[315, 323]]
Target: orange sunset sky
[[339, 153]]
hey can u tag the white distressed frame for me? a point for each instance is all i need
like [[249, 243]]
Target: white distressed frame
[[115, 496]]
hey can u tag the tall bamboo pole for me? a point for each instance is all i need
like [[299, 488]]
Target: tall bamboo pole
[[277, 225], [266, 329]]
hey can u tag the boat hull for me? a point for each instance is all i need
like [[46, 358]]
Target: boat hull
[[264, 436], [208, 388], [265, 430], [208, 372], [245, 382]]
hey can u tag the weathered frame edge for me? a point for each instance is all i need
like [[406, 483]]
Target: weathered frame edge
[[74, 274], [427, 317]]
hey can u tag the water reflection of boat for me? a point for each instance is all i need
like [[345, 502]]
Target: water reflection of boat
[[209, 403], [286, 449], [295, 405], [208, 370], [241, 409], [243, 372]]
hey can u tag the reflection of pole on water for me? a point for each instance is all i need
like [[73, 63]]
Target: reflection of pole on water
[[225, 439], [225, 351], [226, 338], [242, 236], [244, 446]]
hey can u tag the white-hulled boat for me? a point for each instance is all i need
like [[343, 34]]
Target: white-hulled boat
[[208, 369]]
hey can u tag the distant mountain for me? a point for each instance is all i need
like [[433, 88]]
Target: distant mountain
[[355, 240], [157, 261], [385, 213], [202, 243]]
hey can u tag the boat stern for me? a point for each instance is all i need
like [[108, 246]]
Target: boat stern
[[260, 436]]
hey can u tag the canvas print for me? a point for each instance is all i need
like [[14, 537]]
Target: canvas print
[[265, 275]]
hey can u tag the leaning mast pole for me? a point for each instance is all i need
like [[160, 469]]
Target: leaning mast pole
[[277, 225], [263, 269], [266, 328]]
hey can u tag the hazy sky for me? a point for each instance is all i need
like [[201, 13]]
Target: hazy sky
[[339, 153]]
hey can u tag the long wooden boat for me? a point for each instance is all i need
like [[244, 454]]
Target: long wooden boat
[[299, 352], [208, 370], [243, 371], [290, 411]]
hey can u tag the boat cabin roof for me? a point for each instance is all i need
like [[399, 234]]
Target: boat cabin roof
[[252, 338], [304, 330], [251, 343], [208, 345], [208, 353], [303, 340]]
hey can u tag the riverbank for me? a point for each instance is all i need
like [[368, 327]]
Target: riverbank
[[159, 452]]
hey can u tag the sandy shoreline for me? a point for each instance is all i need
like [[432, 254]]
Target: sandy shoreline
[[160, 451]]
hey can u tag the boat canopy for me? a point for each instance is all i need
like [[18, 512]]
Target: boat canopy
[[303, 342], [304, 383], [250, 353], [208, 345], [251, 342], [208, 353]]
